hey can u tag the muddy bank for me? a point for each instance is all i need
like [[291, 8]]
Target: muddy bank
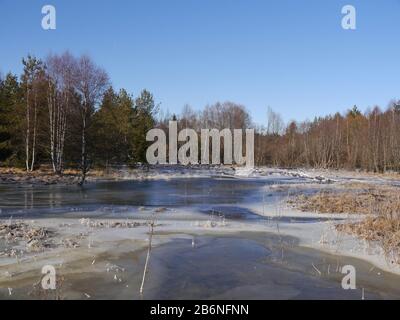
[[46, 176], [41, 177], [141, 173]]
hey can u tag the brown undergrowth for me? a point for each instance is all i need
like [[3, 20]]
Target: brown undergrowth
[[353, 199], [380, 204]]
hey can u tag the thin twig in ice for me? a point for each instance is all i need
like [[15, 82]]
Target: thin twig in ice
[[151, 226]]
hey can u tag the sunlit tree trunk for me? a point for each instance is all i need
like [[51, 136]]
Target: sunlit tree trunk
[[34, 132], [28, 132]]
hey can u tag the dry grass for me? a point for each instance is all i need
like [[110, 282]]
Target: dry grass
[[45, 175], [383, 230], [381, 204], [355, 200], [34, 238]]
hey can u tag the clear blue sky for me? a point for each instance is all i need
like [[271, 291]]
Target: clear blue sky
[[292, 55]]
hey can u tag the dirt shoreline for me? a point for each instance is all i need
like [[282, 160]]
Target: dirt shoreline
[[45, 176], [40, 177]]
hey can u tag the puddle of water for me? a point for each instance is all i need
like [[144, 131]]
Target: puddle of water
[[274, 268], [246, 266]]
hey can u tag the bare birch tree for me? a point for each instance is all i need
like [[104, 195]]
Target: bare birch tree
[[90, 83], [33, 74], [61, 79]]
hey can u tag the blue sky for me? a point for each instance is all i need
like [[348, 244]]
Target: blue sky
[[292, 55]]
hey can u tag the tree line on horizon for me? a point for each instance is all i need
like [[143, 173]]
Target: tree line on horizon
[[368, 141], [64, 112]]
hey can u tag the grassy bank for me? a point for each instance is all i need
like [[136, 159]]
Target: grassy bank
[[380, 205]]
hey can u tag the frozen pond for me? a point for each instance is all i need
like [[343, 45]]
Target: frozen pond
[[243, 263], [55, 199], [245, 266]]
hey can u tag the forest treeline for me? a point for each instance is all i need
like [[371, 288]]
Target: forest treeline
[[63, 112], [369, 141]]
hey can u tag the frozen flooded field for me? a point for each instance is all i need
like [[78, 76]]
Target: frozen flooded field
[[217, 235]]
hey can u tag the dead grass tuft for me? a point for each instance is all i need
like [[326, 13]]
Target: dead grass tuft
[[34, 238], [381, 204], [371, 200], [383, 230]]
